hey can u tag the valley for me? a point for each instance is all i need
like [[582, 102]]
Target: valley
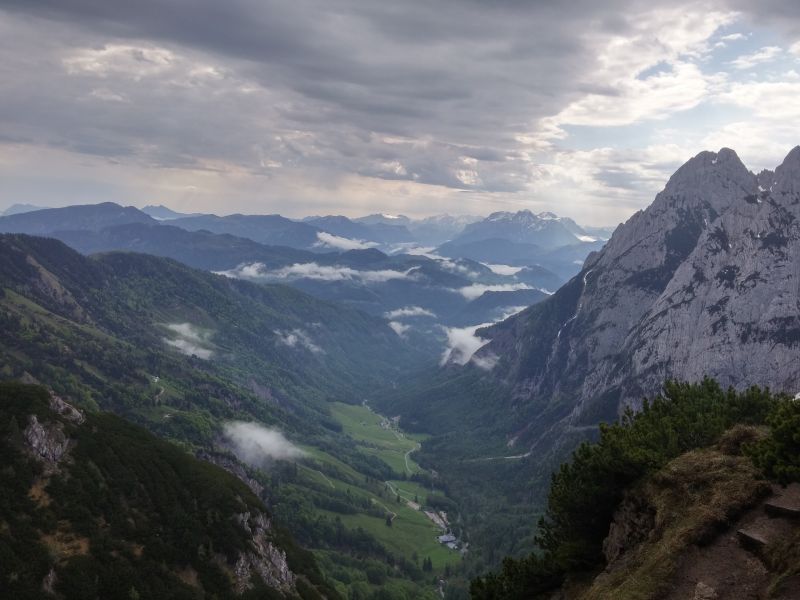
[[355, 300], [408, 417], [400, 513]]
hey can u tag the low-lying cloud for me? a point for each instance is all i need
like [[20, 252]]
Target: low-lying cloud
[[298, 338], [409, 311], [476, 290], [487, 362], [399, 328], [258, 271], [190, 340], [462, 343], [456, 267], [328, 240], [258, 445], [506, 270]]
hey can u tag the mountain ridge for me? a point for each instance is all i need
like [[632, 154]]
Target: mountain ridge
[[711, 234]]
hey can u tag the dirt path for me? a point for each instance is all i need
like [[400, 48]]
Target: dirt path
[[730, 570], [330, 483], [386, 508], [407, 454]]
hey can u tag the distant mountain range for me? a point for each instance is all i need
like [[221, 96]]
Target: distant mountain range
[[374, 263], [86, 217], [164, 213], [17, 209], [545, 230]]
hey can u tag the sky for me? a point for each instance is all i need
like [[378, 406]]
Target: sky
[[355, 106]]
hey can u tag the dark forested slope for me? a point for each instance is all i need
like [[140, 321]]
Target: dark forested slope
[[92, 506]]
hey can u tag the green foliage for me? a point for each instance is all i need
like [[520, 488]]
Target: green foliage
[[778, 455], [586, 491], [23, 557]]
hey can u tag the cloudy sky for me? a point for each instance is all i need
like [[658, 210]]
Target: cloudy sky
[[356, 106]]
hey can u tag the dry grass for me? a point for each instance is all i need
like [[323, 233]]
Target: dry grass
[[736, 438], [64, 543], [38, 494], [189, 577], [694, 497]]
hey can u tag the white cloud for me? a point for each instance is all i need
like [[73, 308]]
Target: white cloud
[[795, 49], [476, 290], [315, 271], [776, 100], [733, 37], [190, 340], [765, 54], [134, 61], [415, 250], [107, 95], [189, 348], [399, 328], [341, 243], [409, 311], [626, 93], [656, 97], [487, 362], [298, 337], [455, 267], [507, 270], [462, 343], [256, 444]]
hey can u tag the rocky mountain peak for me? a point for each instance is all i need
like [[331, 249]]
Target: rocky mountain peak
[[713, 177], [701, 283], [787, 175]]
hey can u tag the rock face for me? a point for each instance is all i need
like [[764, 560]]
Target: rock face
[[265, 559], [704, 282], [632, 524], [47, 441]]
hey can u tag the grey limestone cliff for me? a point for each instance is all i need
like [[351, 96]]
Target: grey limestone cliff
[[704, 282]]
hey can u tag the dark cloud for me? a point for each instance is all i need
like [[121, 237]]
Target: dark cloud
[[464, 77], [441, 93]]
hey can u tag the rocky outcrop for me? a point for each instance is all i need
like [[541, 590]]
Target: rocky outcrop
[[61, 407], [632, 524], [265, 560], [704, 282], [234, 467], [47, 440]]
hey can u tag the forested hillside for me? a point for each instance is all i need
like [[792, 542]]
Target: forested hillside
[[185, 353], [95, 507]]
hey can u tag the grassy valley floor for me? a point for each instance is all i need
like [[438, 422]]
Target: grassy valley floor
[[396, 512]]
